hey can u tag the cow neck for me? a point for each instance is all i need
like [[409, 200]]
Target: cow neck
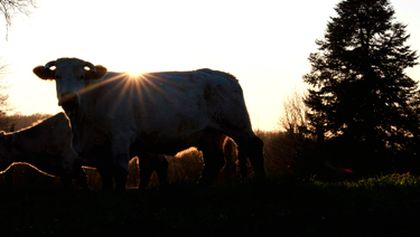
[[10, 157], [79, 118], [75, 118], [15, 149], [82, 112]]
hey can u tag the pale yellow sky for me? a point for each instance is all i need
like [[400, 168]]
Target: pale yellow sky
[[264, 43]]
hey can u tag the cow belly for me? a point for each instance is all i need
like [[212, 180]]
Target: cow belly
[[168, 145]]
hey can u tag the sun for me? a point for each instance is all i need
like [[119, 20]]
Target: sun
[[134, 75], [130, 64], [133, 68]]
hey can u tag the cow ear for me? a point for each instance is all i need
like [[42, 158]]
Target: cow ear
[[100, 70], [44, 73], [97, 73]]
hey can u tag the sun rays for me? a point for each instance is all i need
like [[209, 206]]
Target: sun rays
[[142, 86], [133, 75]]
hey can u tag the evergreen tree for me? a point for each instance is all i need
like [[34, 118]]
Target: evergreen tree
[[359, 90]]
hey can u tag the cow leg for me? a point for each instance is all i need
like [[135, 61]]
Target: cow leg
[[213, 162], [66, 180], [72, 170], [120, 171], [212, 148], [106, 176], [257, 157], [146, 169], [243, 163], [229, 150], [160, 165], [120, 175], [80, 175], [153, 162], [120, 158], [66, 172], [251, 147], [107, 184]]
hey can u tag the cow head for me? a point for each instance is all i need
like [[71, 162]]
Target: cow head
[[72, 77]]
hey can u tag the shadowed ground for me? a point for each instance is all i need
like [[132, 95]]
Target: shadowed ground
[[277, 208], [381, 206]]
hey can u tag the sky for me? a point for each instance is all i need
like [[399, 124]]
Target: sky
[[264, 43]]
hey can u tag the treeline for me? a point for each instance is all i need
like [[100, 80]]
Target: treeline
[[15, 122], [298, 156]]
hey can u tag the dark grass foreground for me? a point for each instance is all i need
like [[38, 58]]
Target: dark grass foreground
[[387, 206]]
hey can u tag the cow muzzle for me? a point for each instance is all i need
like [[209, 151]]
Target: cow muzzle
[[68, 101]]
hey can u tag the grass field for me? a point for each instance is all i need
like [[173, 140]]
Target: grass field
[[32, 204], [382, 206]]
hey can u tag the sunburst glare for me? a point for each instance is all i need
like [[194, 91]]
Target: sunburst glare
[[135, 75]]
